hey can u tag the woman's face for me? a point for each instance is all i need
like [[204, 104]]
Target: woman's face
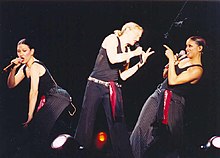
[[24, 52], [192, 48], [134, 36]]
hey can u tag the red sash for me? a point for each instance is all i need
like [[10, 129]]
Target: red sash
[[42, 102], [112, 90], [167, 99]]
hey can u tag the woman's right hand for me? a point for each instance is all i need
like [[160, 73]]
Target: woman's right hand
[[17, 61], [138, 51]]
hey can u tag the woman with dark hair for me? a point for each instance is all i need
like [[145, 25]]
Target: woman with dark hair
[[164, 108], [47, 100], [103, 88]]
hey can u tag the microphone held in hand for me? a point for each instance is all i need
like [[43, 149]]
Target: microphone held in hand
[[181, 55], [9, 67], [12, 64], [140, 56]]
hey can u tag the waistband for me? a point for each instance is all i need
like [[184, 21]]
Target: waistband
[[105, 83], [174, 95]]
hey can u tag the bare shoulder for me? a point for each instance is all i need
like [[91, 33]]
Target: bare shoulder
[[36, 67], [196, 70], [21, 69], [110, 40]]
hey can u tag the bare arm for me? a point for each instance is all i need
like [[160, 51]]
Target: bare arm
[[110, 43], [131, 71], [15, 78], [166, 67], [34, 74], [192, 74], [165, 71]]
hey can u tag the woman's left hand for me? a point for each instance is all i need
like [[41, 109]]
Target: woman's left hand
[[25, 124], [169, 53], [146, 54]]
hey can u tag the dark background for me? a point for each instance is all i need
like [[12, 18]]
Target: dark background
[[67, 36]]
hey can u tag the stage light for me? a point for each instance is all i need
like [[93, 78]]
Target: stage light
[[60, 141], [214, 141], [101, 140], [66, 146], [65, 140], [102, 136]]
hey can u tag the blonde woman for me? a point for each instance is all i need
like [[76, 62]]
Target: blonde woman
[[103, 88]]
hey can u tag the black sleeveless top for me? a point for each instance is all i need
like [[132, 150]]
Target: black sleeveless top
[[181, 89], [46, 81], [103, 69]]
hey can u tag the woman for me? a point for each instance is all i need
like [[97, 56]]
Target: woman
[[165, 106], [103, 88], [46, 99]]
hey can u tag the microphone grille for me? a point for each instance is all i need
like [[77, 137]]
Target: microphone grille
[[182, 52]]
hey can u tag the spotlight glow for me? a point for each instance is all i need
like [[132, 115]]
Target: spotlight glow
[[101, 140], [216, 142], [60, 141], [102, 136]]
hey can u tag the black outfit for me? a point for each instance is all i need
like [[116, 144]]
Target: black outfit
[[44, 118], [101, 82], [152, 118]]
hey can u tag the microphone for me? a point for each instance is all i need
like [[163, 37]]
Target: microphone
[[140, 56], [181, 55], [9, 67]]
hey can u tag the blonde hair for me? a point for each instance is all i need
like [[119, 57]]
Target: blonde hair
[[130, 26]]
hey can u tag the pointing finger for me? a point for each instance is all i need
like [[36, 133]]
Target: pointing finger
[[167, 47]]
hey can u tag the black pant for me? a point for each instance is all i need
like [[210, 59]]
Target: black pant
[[95, 95], [145, 133]]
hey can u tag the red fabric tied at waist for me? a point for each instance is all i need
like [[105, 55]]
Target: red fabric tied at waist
[[112, 90], [42, 102], [167, 99]]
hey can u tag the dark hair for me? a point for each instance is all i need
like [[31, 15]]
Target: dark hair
[[199, 40], [25, 41]]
